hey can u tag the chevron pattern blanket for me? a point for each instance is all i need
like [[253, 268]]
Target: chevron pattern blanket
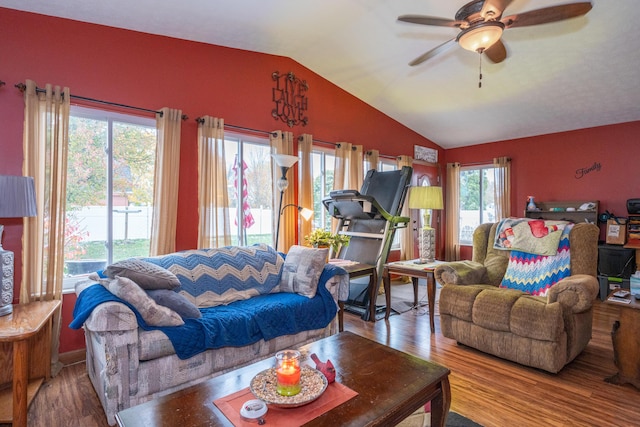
[[535, 274], [220, 276]]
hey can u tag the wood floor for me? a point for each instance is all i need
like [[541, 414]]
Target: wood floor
[[488, 390]]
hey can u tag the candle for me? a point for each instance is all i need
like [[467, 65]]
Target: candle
[[288, 372]]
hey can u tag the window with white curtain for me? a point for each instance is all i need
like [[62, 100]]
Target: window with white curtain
[[110, 176], [250, 184], [477, 204], [322, 163]]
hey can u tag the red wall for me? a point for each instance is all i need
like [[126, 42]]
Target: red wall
[[548, 167], [153, 72]]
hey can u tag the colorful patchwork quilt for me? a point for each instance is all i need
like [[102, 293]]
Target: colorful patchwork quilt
[[534, 273]]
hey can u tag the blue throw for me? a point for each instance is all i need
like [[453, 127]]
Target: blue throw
[[237, 324]]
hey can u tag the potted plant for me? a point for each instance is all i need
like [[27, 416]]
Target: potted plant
[[320, 238]]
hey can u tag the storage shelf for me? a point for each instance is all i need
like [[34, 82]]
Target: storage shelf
[[557, 211]]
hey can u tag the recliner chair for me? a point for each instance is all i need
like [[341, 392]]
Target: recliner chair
[[542, 332]]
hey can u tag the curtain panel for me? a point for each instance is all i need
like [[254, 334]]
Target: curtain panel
[[452, 206], [406, 234], [165, 188], [305, 188], [45, 144], [214, 227], [502, 179], [282, 143], [371, 159]]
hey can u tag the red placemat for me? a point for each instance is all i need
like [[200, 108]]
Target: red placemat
[[335, 394]]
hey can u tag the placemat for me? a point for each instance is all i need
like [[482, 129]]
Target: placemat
[[335, 395]]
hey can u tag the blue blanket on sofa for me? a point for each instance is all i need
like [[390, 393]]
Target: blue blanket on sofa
[[237, 324]]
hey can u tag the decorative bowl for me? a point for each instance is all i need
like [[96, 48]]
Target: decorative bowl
[[313, 382]]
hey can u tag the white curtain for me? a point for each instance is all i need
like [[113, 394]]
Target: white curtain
[[371, 159], [165, 187], [452, 210], [45, 143], [502, 196], [214, 227], [282, 143], [305, 189], [406, 234]]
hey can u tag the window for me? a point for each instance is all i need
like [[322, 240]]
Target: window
[[250, 189], [477, 204], [110, 175], [322, 162]]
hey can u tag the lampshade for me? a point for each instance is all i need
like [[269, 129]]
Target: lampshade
[[305, 213], [284, 160], [17, 196], [425, 198], [481, 36]]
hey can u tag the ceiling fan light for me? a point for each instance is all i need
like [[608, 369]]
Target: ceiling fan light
[[480, 37]]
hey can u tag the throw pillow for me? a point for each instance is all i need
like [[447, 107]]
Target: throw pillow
[[152, 313], [145, 274], [302, 269], [176, 302]]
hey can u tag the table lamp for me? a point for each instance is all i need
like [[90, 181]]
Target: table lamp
[[17, 200], [426, 198]]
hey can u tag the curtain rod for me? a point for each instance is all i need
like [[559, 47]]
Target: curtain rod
[[22, 87], [201, 120]]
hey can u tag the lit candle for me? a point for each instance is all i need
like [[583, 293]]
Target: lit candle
[[288, 372]]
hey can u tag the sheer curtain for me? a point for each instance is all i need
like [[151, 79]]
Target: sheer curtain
[[371, 159], [46, 136], [282, 143], [165, 187], [502, 175], [305, 188], [452, 206], [406, 234], [214, 227]]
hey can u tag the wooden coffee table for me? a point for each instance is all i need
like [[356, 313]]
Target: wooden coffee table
[[390, 384]]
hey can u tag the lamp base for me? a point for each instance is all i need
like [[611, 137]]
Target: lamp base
[[6, 276], [427, 245]]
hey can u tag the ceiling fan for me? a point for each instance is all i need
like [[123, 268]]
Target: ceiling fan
[[481, 24]]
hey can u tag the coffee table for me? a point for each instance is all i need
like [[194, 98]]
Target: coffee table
[[390, 384]]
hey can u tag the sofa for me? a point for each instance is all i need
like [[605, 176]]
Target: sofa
[[532, 309], [235, 305]]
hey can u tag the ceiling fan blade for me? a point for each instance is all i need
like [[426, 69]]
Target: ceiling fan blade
[[433, 52], [494, 8], [497, 52], [429, 20], [547, 14]]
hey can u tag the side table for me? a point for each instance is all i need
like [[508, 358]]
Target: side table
[[626, 343], [28, 327], [416, 272]]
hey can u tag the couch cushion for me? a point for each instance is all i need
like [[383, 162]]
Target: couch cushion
[[176, 302], [145, 274], [492, 308], [219, 276], [152, 313], [457, 301], [302, 269], [532, 317]]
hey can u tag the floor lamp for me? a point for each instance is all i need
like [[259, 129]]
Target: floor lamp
[[17, 200], [284, 161], [426, 198]]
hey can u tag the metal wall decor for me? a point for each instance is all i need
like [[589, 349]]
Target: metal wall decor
[[290, 98]]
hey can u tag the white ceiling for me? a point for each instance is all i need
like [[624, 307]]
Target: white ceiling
[[573, 74]]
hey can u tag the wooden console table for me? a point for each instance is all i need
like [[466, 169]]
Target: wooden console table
[[626, 339], [415, 271], [28, 329]]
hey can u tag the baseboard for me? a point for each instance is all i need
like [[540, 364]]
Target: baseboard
[[71, 357]]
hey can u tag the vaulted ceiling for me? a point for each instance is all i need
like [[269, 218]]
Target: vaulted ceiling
[[573, 74]]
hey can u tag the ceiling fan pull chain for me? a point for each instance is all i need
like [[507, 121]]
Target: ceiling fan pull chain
[[480, 71]]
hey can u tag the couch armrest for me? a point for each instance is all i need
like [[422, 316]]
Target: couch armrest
[[337, 284], [460, 273], [576, 292]]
